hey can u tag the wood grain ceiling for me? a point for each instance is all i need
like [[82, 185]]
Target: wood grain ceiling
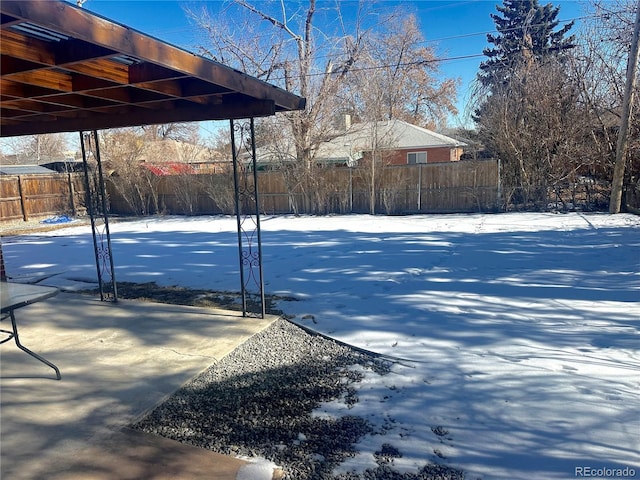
[[66, 69]]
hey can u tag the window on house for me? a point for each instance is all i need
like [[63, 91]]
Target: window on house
[[416, 157]]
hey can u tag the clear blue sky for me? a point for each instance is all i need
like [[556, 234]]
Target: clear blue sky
[[456, 28]]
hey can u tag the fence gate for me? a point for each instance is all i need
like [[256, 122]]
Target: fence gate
[[96, 201], [247, 208]]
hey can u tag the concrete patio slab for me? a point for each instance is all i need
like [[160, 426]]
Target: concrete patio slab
[[117, 360]]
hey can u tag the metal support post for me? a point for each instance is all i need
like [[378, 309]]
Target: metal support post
[[96, 202], [245, 175]]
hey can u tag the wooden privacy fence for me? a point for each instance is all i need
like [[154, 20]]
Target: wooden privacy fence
[[26, 196], [440, 187], [428, 188]]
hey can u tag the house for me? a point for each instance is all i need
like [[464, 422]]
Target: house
[[395, 141]]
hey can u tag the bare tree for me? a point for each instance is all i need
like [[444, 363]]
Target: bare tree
[[526, 101], [316, 51], [397, 77], [538, 125], [219, 188], [185, 180], [123, 150], [38, 148], [184, 132], [283, 48]]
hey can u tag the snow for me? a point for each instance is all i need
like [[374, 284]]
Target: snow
[[516, 336], [257, 469]]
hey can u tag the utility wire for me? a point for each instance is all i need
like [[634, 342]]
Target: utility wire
[[434, 40], [434, 60]]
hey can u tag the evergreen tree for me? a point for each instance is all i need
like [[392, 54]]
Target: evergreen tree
[[524, 99], [525, 35]]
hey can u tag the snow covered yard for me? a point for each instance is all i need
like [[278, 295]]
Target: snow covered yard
[[518, 334]]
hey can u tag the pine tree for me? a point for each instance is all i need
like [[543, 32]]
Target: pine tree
[[525, 35], [524, 94]]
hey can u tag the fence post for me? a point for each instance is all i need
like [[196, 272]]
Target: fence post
[[499, 181], [419, 188], [350, 189], [23, 200], [72, 195]]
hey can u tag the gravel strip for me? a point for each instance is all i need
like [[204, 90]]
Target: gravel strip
[[258, 402]]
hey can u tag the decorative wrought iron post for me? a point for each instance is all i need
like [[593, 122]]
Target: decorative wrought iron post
[[96, 201], [245, 176]]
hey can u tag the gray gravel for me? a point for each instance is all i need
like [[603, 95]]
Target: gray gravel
[[258, 401]]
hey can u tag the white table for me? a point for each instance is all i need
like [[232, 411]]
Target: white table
[[18, 295]]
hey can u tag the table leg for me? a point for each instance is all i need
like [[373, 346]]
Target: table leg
[[25, 349]]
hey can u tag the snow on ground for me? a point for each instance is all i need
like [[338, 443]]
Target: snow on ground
[[257, 469], [519, 334]]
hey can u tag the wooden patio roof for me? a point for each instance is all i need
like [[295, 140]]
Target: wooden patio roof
[[66, 69]]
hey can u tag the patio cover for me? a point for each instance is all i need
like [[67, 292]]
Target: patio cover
[[66, 69]]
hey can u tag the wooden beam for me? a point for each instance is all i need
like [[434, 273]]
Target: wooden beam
[[169, 87], [82, 83], [234, 110], [78, 101], [33, 106], [20, 90], [18, 45], [126, 94], [11, 65], [116, 94], [102, 69], [50, 79]]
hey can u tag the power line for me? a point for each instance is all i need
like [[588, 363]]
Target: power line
[[159, 32], [381, 67], [466, 35], [402, 64], [421, 62]]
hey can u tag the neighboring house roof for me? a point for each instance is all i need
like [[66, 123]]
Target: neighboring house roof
[[387, 135], [24, 170], [362, 137], [32, 159], [170, 168], [65, 166]]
